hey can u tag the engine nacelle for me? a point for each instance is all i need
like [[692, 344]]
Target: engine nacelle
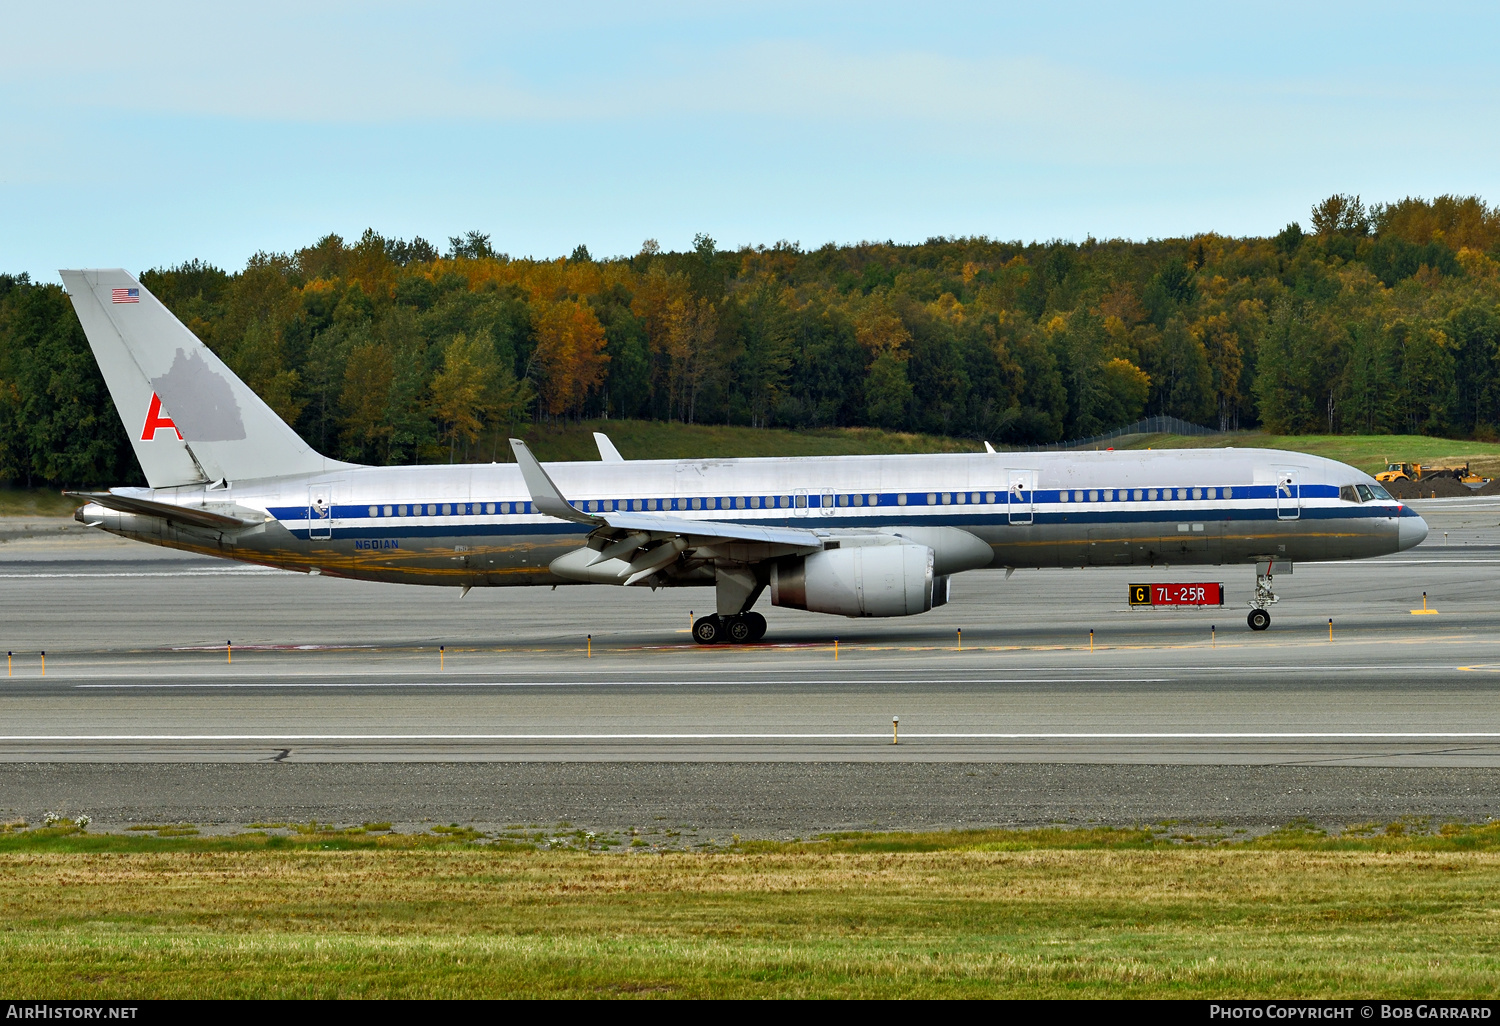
[[860, 580]]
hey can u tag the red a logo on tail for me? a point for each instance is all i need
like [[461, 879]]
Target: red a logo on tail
[[155, 421]]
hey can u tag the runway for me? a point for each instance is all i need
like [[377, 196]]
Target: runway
[[330, 672]]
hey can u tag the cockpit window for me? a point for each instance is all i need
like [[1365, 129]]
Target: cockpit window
[[1348, 494], [1379, 492], [1365, 495]]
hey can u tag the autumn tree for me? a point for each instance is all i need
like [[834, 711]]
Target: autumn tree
[[368, 377], [888, 390], [569, 359]]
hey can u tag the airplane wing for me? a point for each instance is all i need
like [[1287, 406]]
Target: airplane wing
[[549, 500], [197, 516]]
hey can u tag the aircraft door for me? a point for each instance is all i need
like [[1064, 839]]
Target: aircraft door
[[799, 502], [1288, 494], [320, 512], [825, 504], [1020, 495]]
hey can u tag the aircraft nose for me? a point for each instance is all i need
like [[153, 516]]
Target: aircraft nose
[[1410, 532]]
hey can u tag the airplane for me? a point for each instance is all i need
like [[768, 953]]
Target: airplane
[[854, 536]]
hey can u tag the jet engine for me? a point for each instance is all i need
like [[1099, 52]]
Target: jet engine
[[860, 580]]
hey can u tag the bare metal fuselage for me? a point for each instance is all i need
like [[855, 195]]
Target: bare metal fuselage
[[474, 525]]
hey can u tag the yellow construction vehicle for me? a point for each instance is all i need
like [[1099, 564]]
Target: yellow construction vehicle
[[1426, 472]]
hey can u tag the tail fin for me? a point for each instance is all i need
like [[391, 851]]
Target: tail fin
[[189, 418]]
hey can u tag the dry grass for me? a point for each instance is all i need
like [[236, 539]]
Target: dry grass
[[1117, 914]]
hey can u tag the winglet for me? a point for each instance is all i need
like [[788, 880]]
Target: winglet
[[607, 451], [544, 494], [989, 448]]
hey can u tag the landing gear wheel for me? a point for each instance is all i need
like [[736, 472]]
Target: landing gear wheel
[[1258, 619], [757, 626], [739, 629], [709, 630]]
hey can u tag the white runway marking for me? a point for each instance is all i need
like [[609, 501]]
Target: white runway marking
[[1053, 675], [1019, 736], [614, 683]]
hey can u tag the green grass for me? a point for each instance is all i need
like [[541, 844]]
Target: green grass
[[36, 502], [1369, 453], [654, 440], [1387, 910]]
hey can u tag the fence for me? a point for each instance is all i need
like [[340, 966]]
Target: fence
[[1148, 426]]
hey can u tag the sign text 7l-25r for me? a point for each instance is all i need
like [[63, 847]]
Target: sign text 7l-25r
[[1177, 594]]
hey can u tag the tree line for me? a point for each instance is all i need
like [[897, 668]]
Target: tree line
[[1372, 319]]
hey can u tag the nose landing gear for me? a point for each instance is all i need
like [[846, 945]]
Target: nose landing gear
[[739, 629], [1260, 616]]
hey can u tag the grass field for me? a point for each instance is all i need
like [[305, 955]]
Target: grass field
[[653, 440], [1086, 913], [1367, 452], [35, 502]]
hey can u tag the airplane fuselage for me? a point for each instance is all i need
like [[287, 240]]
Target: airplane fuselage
[[476, 525]]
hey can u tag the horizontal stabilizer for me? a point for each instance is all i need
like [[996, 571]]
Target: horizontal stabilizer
[[196, 516]]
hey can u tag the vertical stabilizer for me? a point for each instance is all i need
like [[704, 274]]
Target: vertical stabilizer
[[189, 418]]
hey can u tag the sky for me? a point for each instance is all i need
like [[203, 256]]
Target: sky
[[149, 134]]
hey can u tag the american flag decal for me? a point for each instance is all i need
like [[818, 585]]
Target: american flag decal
[[124, 295]]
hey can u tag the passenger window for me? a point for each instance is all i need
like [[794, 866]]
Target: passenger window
[[947, 498], [1077, 495], [801, 502], [1151, 495], [1365, 495], [697, 503], [1197, 493], [1093, 496], [960, 498], [1213, 493], [755, 502], [432, 509], [989, 496], [900, 499], [1137, 495], [843, 500], [739, 502], [1062, 496], [489, 508], [1229, 493], [874, 500], [932, 498]]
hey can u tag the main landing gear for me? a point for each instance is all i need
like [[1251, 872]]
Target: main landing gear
[[739, 629], [1260, 616]]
